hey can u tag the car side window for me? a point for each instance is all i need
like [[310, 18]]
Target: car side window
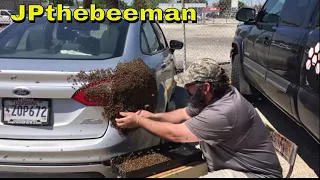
[[290, 17], [160, 35], [3, 13], [271, 11], [144, 43], [152, 40]]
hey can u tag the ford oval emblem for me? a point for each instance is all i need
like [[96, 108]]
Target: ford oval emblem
[[21, 91]]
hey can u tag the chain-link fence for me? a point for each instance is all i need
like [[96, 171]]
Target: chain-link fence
[[210, 37]]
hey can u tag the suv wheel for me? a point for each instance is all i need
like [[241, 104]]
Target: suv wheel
[[235, 80], [235, 71]]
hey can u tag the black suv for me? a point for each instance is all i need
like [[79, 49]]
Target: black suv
[[277, 52]]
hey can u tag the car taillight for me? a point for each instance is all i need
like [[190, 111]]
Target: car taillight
[[80, 96]]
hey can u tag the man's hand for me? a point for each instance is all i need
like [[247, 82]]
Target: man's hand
[[145, 114], [129, 120], [165, 130]]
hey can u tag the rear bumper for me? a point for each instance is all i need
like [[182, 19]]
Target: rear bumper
[[62, 151], [81, 171], [70, 156]]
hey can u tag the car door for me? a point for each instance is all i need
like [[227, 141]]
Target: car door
[[257, 43], [157, 54], [169, 71], [308, 95], [285, 53]]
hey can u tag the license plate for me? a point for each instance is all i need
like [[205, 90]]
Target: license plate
[[26, 111]]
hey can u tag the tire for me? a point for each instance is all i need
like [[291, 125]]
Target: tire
[[235, 80], [235, 72]]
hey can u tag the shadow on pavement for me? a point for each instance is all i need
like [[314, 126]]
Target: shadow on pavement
[[308, 147]]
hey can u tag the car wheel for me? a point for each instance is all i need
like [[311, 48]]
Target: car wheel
[[235, 71]]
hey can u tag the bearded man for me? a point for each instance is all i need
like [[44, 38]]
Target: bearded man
[[231, 134]]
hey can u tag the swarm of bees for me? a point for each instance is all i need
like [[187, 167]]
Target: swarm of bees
[[131, 86]]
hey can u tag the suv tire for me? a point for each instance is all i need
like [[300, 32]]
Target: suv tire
[[235, 80], [235, 71]]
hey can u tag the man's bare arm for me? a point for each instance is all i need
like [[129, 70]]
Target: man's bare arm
[[172, 132], [175, 117]]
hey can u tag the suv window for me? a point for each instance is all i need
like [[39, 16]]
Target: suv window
[[151, 37], [4, 13], [290, 17], [160, 35], [271, 11]]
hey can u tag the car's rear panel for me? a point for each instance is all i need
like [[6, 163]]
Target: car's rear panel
[[66, 117], [75, 140]]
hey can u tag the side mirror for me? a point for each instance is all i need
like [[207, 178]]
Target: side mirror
[[246, 15], [175, 45]]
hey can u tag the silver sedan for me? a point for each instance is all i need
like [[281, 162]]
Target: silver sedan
[[45, 125]]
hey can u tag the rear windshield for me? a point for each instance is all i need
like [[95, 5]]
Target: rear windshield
[[72, 41]]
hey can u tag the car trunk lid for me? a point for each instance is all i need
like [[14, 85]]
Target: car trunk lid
[[39, 90]]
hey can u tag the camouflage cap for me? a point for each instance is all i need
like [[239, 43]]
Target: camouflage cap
[[204, 70]]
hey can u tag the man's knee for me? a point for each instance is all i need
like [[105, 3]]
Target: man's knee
[[227, 173]]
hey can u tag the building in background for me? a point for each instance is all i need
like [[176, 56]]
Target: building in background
[[211, 12], [234, 5]]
